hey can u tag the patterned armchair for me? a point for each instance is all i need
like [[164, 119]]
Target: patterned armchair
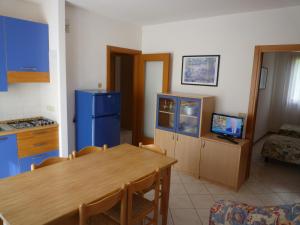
[[234, 213]]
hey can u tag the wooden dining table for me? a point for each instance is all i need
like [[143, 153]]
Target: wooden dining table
[[50, 194]]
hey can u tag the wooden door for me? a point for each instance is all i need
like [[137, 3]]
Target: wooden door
[[219, 162], [153, 77], [187, 152], [166, 140]]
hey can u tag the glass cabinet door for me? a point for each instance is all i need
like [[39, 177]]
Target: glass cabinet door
[[166, 112], [189, 116]]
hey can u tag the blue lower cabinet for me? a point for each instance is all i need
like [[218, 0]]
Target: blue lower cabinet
[[9, 161], [26, 162]]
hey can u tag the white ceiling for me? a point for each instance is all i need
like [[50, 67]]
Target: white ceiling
[[145, 12]]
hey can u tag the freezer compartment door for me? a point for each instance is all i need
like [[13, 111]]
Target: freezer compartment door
[[106, 104], [107, 131]]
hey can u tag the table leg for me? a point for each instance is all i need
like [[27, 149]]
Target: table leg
[[164, 205]]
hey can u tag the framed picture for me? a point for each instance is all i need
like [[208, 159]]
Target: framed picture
[[263, 78], [200, 70]]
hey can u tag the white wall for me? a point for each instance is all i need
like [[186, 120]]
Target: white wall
[[231, 36], [264, 98], [86, 52], [49, 100]]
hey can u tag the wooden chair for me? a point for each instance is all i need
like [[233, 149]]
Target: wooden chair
[[93, 212], [47, 162], [159, 150], [138, 207], [153, 148], [88, 150]]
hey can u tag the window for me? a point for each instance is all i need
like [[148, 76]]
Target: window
[[295, 82]]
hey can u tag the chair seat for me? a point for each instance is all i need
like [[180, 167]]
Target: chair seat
[[141, 206], [101, 219]]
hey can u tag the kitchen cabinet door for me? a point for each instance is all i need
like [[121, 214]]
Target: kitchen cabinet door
[[220, 162], [26, 162], [165, 140], [9, 162], [187, 152], [3, 77], [27, 46]]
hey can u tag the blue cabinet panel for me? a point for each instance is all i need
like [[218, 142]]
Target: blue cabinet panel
[[106, 104], [26, 162], [3, 77], [9, 162], [107, 131], [27, 45]]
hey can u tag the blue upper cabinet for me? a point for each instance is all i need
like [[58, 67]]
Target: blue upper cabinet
[[24, 52], [3, 78], [27, 46]]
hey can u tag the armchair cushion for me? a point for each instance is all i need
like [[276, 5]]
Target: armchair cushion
[[235, 213]]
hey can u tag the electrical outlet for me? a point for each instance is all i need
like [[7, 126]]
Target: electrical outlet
[[50, 108]]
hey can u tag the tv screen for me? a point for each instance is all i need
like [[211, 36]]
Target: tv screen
[[226, 125]]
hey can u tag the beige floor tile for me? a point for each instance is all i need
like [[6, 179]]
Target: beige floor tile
[[204, 215], [217, 189], [180, 202], [195, 188], [270, 199], [177, 189], [202, 201], [185, 217], [175, 179], [218, 197], [187, 179], [250, 199], [289, 198]]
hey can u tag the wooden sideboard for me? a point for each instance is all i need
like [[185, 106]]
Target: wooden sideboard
[[224, 162]]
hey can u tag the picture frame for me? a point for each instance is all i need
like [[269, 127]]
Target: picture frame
[[263, 78], [200, 70]]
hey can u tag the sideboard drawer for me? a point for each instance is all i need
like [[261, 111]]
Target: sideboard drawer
[[38, 141]]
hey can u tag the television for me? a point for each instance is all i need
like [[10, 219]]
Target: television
[[228, 126]]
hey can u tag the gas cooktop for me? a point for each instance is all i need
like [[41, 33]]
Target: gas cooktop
[[30, 123]]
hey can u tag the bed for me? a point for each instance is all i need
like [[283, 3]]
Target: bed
[[284, 146]]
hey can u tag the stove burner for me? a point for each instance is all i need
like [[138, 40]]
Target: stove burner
[[29, 123]]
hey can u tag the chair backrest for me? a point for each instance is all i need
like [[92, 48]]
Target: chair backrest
[[88, 150], [47, 162], [151, 180], [153, 148], [104, 204]]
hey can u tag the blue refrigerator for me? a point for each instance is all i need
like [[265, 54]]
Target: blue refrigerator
[[97, 118]]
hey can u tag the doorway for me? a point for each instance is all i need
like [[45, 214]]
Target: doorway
[[138, 77], [120, 77], [255, 87]]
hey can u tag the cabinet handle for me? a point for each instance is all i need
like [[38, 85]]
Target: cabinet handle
[[177, 137], [173, 137], [40, 144], [203, 145], [3, 138], [29, 68]]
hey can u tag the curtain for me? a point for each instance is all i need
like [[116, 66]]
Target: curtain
[[285, 103], [292, 113]]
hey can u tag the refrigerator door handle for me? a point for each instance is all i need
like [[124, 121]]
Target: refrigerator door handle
[[108, 115]]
